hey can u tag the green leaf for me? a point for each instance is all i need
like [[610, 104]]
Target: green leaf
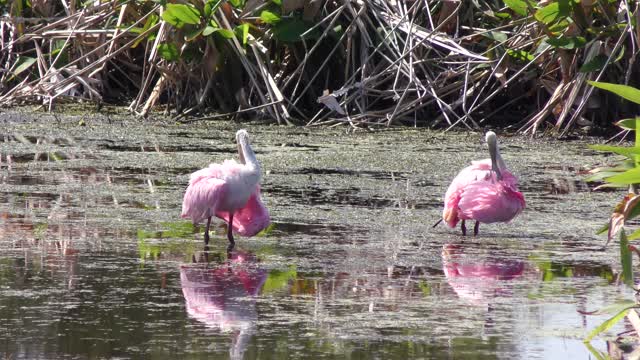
[[520, 55], [193, 33], [277, 2], [598, 355], [180, 14], [497, 36], [634, 235], [626, 259], [269, 17], [518, 6], [267, 231], [277, 280], [628, 124], [596, 64], [211, 7], [22, 64], [242, 32], [238, 4], [169, 52], [552, 12], [606, 325], [627, 92], [226, 33], [151, 21], [621, 150], [559, 26], [208, 30], [291, 30], [601, 175], [628, 177], [568, 43], [603, 229]]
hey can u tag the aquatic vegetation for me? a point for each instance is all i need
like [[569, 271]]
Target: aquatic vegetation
[[470, 62], [625, 173]]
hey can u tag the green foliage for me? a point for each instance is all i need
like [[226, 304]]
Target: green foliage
[[279, 279], [627, 92], [625, 259], [626, 172], [169, 52], [595, 64], [269, 17], [518, 6], [179, 14], [291, 30], [621, 311], [22, 64], [208, 39]]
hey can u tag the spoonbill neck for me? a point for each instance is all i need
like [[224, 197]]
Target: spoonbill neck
[[245, 152], [496, 160]]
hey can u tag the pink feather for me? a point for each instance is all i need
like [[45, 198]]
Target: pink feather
[[209, 190], [476, 194]]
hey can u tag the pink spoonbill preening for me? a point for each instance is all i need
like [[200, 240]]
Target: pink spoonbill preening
[[229, 191], [484, 191]]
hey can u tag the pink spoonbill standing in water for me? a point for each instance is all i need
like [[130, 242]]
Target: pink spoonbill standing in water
[[484, 191], [229, 191]]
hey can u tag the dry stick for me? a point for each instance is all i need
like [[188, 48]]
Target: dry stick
[[317, 44], [100, 47], [229, 114], [401, 58], [352, 78], [495, 92], [64, 20], [151, 66], [489, 78], [238, 49], [123, 9], [324, 63], [411, 75], [105, 57], [52, 69], [586, 96], [274, 92], [448, 90], [576, 88], [90, 66]]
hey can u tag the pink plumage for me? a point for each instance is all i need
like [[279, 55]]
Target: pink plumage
[[229, 191], [484, 191]]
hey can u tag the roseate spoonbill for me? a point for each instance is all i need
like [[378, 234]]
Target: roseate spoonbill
[[484, 191], [230, 191]]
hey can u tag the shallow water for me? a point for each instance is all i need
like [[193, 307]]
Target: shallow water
[[95, 262]]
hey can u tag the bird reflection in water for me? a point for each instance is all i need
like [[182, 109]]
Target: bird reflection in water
[[223, 296], [478, 281]]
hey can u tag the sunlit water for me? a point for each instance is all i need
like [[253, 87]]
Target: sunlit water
[[96, 263]]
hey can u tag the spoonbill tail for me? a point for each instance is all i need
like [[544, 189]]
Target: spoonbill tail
[[484, 191], [229, 191]]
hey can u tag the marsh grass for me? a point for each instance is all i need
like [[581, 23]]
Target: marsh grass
[[523, 64]]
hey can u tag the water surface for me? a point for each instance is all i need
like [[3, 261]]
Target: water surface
[[95, 262]]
